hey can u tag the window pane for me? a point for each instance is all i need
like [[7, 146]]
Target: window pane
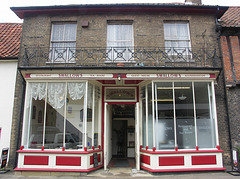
[[96, 118], [36, 124], [74, 121], [176, 35], [70, 32], [58, 32], [165, 120], [184, 115], [120, 37], [205, 121], [55, 116]]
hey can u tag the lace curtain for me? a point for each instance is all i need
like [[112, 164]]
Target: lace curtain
[[76, 90], [56, 92], [56, 95], [38, 90]]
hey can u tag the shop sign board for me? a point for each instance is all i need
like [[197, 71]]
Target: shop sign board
[[235, 160], [4, 157], [126, 76]]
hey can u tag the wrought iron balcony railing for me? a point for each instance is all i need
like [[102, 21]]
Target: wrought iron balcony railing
[[119, 56]]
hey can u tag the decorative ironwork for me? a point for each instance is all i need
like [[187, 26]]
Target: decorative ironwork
[[130, 56]]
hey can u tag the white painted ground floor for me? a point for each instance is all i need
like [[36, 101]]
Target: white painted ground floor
[[79, 122]]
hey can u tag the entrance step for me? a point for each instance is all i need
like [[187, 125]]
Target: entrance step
[[119, 173]]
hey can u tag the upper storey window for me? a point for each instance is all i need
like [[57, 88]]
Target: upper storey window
[[63, 42], [177, 38], [120, 41]]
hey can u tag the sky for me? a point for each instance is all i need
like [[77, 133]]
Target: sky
[[7, 16]]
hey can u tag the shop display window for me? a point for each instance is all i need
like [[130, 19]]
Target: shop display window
[[183, 113], [58, 116]]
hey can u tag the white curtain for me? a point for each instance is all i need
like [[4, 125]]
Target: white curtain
[[38, 90], [56, 95], [63, 41], [120, 36], [176, 35], [76, 90]]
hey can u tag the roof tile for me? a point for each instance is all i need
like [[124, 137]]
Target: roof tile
[[231, 18], [10, 35]]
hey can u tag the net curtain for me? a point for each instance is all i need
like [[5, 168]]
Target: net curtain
[[56, 92]]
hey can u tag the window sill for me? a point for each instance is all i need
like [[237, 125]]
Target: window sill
[[57, 151], [59, 62], [182, 151]]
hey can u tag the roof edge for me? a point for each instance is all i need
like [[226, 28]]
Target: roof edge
[[118, 8]]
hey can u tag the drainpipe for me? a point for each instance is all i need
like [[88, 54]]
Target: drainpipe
[[20, 118], [219, 30]]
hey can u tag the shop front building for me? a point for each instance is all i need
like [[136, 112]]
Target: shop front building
[[85, 106]]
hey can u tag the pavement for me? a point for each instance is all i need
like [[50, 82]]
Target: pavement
[[116, 173]]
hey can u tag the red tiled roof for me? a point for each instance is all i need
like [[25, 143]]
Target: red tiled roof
[[231, 17], [10, 35]]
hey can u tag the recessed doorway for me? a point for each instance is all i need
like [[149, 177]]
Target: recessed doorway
[[123, 136]]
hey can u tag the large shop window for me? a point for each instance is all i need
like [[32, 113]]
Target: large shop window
[[120, 41], [63, 114], [183, 113], [63, 43]]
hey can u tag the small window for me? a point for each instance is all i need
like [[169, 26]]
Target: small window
[[63, 43], [177, 40], [119, 42]]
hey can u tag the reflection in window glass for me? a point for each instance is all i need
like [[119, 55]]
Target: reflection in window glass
[[36, 111], [165, 119], [205, 121], [55, 116], [184, 115], [74, 123], [36, 125]]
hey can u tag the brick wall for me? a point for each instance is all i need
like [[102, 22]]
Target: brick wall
[[230, 44]]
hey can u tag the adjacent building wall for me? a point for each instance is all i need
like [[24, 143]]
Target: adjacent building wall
[[8, 70]]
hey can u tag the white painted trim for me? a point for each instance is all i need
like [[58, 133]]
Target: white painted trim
[[85, 115], [146, 102], [215, 112], [105, 136], [137, 138], [174, 115], [45, 114], [25, 121], [153, 115], [194, 113], [93, 114]]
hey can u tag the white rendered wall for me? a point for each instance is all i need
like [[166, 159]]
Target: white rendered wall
[[8, 71]]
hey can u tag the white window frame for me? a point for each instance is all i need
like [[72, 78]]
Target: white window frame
[[173, 51], [115, 53], [66, 54]]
